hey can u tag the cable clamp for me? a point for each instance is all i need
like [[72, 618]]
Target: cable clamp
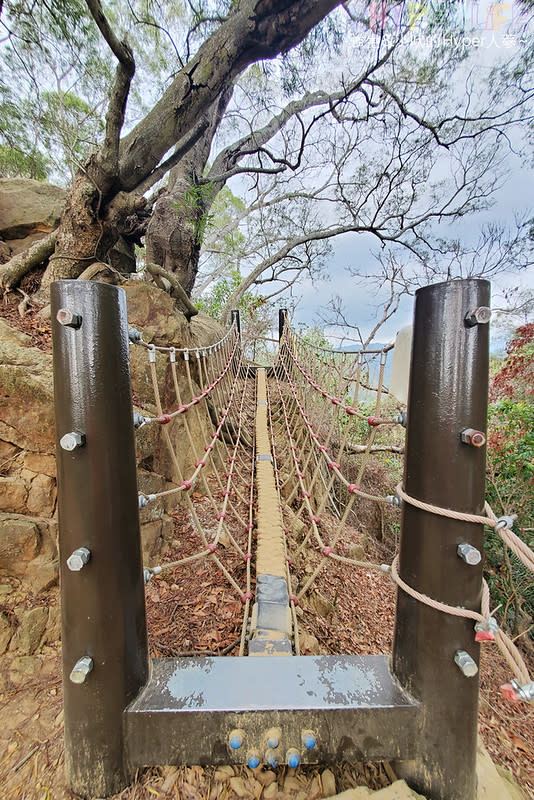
[[247, 557], [186, 484], [394, 499], [351, 488], [164, 419], [486, 630], [516, 692], [245, 597], [327, 551], [293, 599], [212, 547], [220, 516], [373, 422], [152, 353], [505, 523]]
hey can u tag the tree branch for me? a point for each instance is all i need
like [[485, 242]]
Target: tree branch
[[19, 266], [156, 271]]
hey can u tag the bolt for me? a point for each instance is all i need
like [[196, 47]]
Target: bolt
[[236, 739], [253, 760], [469, 554], [506, 523], [81, 669], [70, 441], [473, 437], [394, 499], [138, 420], [78, 559], [68, 318], [478, 316], [309, 740], [293, 758], [133, 335], [465, 663], [401, 418], [273, 738], [271, 758]]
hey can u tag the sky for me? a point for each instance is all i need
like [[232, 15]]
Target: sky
[[497, 31]]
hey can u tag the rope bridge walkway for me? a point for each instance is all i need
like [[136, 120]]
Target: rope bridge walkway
[[286, 450]]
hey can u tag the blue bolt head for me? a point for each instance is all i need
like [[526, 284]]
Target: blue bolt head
[[235, 739], [271, 758], [273, 738], [293, 758], [309, 740], [253, 760]]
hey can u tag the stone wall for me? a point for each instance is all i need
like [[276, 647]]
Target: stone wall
[[28, 492]]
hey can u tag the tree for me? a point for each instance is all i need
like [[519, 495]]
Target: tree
[[369, 141], [107, 190]]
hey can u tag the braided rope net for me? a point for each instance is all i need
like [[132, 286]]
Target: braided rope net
[[328, 412]]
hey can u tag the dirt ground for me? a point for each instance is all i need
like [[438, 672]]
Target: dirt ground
[[193, 612]]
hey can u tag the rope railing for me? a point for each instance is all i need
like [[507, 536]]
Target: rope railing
[[314, 413]]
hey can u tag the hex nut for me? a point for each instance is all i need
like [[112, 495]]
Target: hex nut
[[81, 669], [465, 663], [473, 437], [78, 559], [478, 316], [68, 318], [70, 441], [469, 554]]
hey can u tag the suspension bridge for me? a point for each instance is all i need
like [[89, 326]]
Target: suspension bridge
[[283, 446]]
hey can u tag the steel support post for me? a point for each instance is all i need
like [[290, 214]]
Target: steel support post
[[236, 317], [448, 394], [105, 658], [282, 314]]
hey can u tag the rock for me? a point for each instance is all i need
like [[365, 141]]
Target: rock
[[359, 793], [292, 784], [29, 206], [6, 633], [19, 543], [42, 574], [22, 666], [13, 494], [321, 604], [154, 536], [42, 496], [53, 627], [270, 791], [37, 462], [328, 782], [309, 644], [170, 775], [30, 631], [5, 253], [26, 397], [153, 311], [357, 552], [490, 784], [13, 335]]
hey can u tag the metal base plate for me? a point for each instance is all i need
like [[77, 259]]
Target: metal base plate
[[185, 713]]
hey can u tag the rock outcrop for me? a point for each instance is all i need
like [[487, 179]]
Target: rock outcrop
[[28, 492]]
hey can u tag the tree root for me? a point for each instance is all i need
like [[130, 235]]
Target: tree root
[[20, 265], [158, 272]]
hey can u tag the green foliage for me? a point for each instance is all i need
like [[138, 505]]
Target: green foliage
[[510, 473], [214, 301]]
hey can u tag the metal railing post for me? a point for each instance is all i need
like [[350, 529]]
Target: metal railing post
[[435, 655], [282, 314], [105, 657]]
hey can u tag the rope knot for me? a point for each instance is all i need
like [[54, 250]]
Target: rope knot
[[164, 419], [186, 484], [245, 597], [373, 422], [327, 551], [351, 488]]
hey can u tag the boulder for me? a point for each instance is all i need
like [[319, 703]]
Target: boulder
[[32, 625], [6, 633], [153, 311], [38, 462], [13, 494], [154, 536], [13, 335], [42, 496], [20, 542], [28, 206], [26, 397], [28, 550]]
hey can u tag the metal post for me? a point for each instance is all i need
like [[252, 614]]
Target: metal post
[[105, 657], [448, 394], [282, 315], [236, 316]]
